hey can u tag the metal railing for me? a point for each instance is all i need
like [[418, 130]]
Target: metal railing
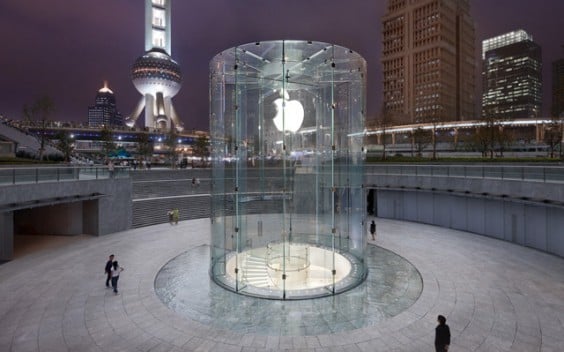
[[26, 175], [548, 174]]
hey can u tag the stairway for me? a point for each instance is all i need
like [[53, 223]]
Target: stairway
[[155, 192], [255, 271], [26, 141]]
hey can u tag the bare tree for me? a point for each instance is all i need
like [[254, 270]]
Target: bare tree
[[384, 122], [553, 136], [171, 142], [504, 139], [40, 111], [481, 140], [65, 144], [201, 148], [434, 120], [145, 146], [107, 138], [421, 139]]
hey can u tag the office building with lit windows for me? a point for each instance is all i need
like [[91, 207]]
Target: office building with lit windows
[[428, 61], [104, 112], [557, 88], [512, 77]]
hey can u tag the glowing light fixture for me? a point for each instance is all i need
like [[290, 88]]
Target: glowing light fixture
[[289, 113]]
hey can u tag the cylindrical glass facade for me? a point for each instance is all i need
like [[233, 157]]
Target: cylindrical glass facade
[[286, 125]]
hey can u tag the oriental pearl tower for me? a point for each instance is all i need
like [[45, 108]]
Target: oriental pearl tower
[[155, 74]]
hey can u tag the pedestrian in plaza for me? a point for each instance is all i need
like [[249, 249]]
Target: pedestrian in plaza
[[175, 215], [116, 270], [373, 230], [442, 335], [111, 168], [170, 215], [108, 271]]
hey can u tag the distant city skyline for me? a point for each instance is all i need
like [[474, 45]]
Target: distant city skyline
[[65, 50]]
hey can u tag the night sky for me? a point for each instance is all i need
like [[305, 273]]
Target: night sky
[[66, 49]]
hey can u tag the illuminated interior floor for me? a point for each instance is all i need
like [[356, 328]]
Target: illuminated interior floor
[[308, 271]]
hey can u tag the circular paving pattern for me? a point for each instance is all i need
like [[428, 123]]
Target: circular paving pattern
[[393, 285]]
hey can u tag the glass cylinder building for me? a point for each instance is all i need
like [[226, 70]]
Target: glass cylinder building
[[288, 205]]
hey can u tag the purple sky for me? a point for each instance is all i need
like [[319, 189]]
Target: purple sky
[[66, 49]]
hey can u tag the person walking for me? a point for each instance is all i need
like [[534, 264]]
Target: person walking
[[108, 271], [111, 168], [116, 270], [373, 230], [170, 214], [175, 215], [442, 335]]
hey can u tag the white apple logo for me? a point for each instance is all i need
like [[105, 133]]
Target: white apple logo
[[289, 113]]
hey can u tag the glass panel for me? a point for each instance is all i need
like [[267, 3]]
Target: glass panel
[[287, 134]]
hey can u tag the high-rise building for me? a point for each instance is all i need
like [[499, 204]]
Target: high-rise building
[[512, 76], [155, 74], [104, 112], [428, 61], [557, 88]]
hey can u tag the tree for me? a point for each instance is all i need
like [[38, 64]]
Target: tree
[[434, 120], [481, 140], [65, 144], [107, 138], [553, 136], [421, 139], [171, 142], [385, 121], [201, 148], [504, 139], [488, 135], [145, 145], [40, 111]]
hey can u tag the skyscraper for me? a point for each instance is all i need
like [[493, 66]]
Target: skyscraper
[[428, 60], [557, 88], [104, 112], [512, 77], [155, 74]]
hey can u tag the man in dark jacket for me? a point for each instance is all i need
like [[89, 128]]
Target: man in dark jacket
[[108, 271], [442, 335]]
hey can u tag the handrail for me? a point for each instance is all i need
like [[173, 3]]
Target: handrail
[[545, 174], [27, 175]]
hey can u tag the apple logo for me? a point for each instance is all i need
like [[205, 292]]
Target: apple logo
[[289, 113]]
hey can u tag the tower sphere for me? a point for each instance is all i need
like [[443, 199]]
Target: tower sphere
[[156, 72]]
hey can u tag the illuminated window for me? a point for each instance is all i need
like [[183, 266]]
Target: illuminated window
[[159, 18], [158, 38], [159, 2]]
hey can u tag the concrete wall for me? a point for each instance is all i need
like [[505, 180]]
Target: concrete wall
[[527, 223], [60, 219], [6, 240], [64, 208]]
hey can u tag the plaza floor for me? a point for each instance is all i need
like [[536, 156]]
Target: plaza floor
[[496, 296]]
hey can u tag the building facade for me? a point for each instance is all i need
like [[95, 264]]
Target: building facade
[[104, 112], [557, 88], [512, 76], [428, 61]]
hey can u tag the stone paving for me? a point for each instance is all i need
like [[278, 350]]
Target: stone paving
[[496, 296]]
